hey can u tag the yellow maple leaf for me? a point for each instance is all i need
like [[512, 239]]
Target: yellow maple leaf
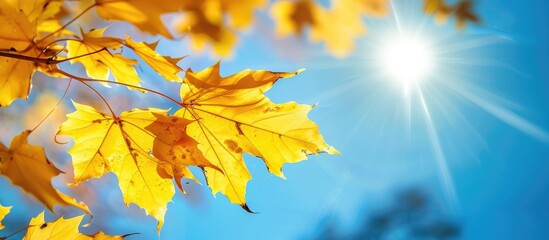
[[338, 28], [48, 21], [439, 8], [17, 35], [204, 23], [44, 13], [175, 151], [139, 146], [292, 17], [15, 79], [431, 6], [3, 212], [464, 14], [145, 14], [61, 228], [215, 22], [51, 25], [15, 73], [26, 166], [165, 66], [442, 10], [231, 116], [92, 52], [366, 7], [17, 31], [241, 13], [37, 9]]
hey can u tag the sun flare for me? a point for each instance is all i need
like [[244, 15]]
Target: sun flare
[[407, 60]]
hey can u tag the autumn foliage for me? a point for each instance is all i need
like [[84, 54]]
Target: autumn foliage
[[217, 121]]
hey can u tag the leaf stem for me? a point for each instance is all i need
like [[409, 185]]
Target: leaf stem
[[55, 107], [47, 61], [120, 83], [47, 47], [16, 232], [100, 96]]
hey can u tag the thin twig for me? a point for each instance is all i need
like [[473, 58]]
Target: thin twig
[[64, 26], [47, 61], [55, 107], [120, 83]]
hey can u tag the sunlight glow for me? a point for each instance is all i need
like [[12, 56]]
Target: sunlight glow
[[407, 60], [443, 78]]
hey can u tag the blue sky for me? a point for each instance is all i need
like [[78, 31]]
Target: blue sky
[[483, 108], [487, 164]]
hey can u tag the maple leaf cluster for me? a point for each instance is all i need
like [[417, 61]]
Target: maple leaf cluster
[[216, 23], [217, 121], [220, 118], [462, 10]]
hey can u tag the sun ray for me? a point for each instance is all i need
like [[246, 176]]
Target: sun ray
[[444, 171], [506, 116], [433, 112]]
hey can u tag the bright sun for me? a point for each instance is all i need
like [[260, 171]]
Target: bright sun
[[407, 60]]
